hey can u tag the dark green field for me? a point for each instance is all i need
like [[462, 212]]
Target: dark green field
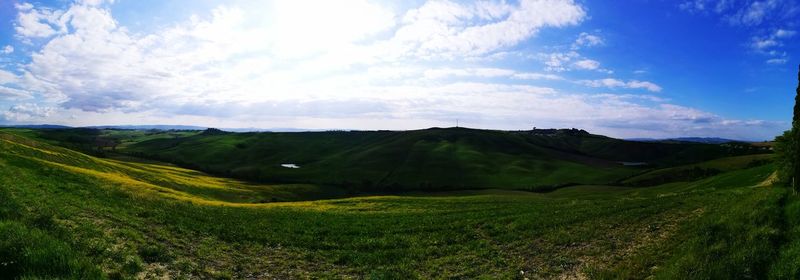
[[439, 203], [379, 161]]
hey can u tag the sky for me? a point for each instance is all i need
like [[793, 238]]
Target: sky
[[628, 68]]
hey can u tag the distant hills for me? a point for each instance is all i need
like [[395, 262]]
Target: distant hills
[[163, 127], [704, 140], [427, 159], [38, 126], [376, 161], [150, 127]]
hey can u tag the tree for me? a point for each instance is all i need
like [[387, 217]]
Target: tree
[[796, 134], [787, 147]]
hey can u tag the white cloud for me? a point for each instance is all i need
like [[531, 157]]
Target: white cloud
[[572, 60], [36, 23], [614, 83], [783, 33], [100, 66], [23, 6], [468, 72], [693, 6], [7, 77], [515, 106], [444, 28], [298, 30], [777, 61], [744, 12], [761, 44], [95, 2], [645, 85], [558, 61], [536, 76], [758, 16], [13, 93], [488, 10], [26, 112], [7, 49], [587, 64], [487, 73], [771, 44], [587, 40], [611, 83], [755, 13]]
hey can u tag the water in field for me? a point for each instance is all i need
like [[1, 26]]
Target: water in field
[[290, 165]]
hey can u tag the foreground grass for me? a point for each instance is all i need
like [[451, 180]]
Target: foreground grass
[[80, 224], [786, 267]]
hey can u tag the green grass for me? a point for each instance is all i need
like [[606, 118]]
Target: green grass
[[171, 180], [697, 171], [431, 159], [789, 255], [100, 218], [379, 161], [28, 252]]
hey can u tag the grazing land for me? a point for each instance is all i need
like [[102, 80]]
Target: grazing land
[[66, 214]]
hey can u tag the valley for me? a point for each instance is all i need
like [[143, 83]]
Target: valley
[[117, 217]]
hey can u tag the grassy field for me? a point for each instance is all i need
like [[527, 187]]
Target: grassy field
[[691, 172], [68, 215], [431, 159]]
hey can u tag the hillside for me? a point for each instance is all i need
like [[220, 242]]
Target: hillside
[[65, 214], [430, 159], [696, 171], [704, 140]]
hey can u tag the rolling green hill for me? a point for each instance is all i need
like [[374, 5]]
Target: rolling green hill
[[692, 172], [430, 159], [64, 214]]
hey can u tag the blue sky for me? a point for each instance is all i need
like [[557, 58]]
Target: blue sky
[[636, 68]]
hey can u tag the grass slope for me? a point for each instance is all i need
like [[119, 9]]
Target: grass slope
[[90, 218], [174, 181], [655, 154], [431, 159], [692, 172]]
